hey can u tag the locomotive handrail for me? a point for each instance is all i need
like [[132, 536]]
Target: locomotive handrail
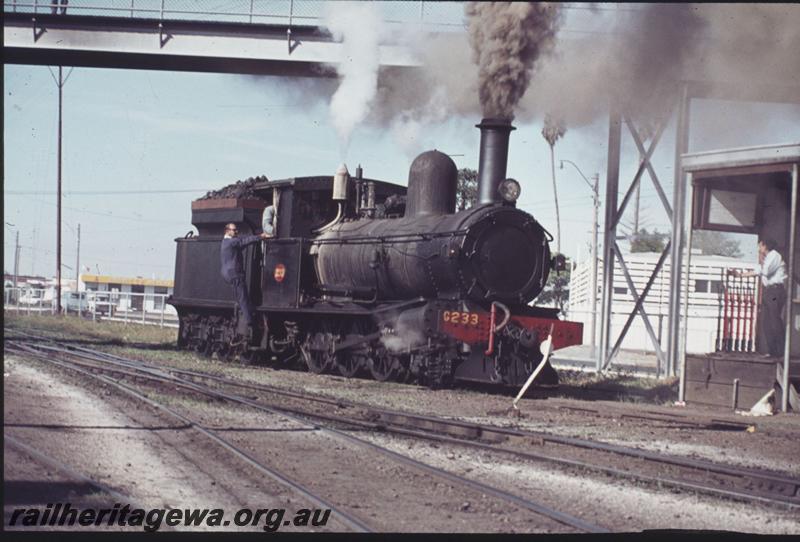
[[398, 238], [506, 318], [400, 305], [495, 328]]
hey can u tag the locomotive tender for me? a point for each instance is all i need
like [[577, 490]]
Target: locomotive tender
[[369, 276]]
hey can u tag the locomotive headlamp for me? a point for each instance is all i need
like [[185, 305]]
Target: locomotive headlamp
[[509, 190]]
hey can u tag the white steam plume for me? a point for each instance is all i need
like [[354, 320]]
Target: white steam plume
[[358, 25], [408, 128]]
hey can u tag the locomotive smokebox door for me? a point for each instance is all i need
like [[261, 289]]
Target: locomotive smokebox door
[[280, 281]]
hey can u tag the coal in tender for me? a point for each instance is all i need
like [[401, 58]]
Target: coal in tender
[[238, 190]]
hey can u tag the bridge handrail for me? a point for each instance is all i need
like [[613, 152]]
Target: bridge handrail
[[163, 10]]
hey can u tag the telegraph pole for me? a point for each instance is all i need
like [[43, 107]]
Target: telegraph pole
[[593, 282], [596, 201], [58, 237], [636, 212], [60, 82], [16, 264], [78, 263]]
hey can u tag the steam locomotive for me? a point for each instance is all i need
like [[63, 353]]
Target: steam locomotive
[[366, 276]]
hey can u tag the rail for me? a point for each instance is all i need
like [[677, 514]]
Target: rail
[[344, 517], [94, 363], [661, 470]]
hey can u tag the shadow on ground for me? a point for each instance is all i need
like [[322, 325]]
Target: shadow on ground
[[620, 389]]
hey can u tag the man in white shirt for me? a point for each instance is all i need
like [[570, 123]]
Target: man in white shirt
[[268, 220], [772, 271]]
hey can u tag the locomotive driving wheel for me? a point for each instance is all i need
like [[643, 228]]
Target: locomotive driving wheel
[[349, 364], [317, 352], [386, 367]]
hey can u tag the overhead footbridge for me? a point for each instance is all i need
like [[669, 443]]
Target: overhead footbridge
[[245, 36]]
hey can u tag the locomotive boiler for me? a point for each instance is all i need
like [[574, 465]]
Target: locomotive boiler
[[370, 277]]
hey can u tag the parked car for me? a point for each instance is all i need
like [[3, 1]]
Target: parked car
[[76, 302], [33, 297], [103, 303]]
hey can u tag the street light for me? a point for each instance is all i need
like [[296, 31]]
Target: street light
[[596, 200]]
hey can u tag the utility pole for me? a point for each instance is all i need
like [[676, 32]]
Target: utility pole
[[78, 263], [60, 82], [595, 229], [596, 201], [58, 238], [16, 264], [636, 211]]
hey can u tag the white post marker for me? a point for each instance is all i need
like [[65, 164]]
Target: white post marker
[[546, 348]]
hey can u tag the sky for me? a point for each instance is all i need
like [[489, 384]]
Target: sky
[[139, 146]]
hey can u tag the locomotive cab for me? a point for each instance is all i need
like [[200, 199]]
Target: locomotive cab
[[304, 204]]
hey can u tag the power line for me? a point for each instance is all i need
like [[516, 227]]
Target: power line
[[110, 215], [46, 251], [102, 192]]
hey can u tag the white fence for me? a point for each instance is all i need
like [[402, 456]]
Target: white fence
[[701, 332], [134, 308], [706, 278]]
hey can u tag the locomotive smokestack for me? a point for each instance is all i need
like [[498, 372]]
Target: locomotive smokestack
[[493, 158]]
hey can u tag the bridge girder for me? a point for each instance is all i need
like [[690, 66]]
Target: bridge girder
[[205, 46]]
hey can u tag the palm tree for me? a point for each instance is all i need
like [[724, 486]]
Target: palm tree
[[552, 131]]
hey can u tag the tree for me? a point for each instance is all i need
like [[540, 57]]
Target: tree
[[466, 189], [552, 131], [648, 242], [629, 227], [556, 291], [716, 243]]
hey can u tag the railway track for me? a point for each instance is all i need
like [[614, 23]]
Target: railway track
[[744, 484], [88, 363], [344, 517], [69, 472], [671, 419], [695, 475]]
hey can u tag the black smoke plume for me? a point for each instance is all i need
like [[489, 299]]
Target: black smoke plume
[[507, 38]]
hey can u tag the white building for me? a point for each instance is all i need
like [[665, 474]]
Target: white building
[[131, 293], [707, 274]]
